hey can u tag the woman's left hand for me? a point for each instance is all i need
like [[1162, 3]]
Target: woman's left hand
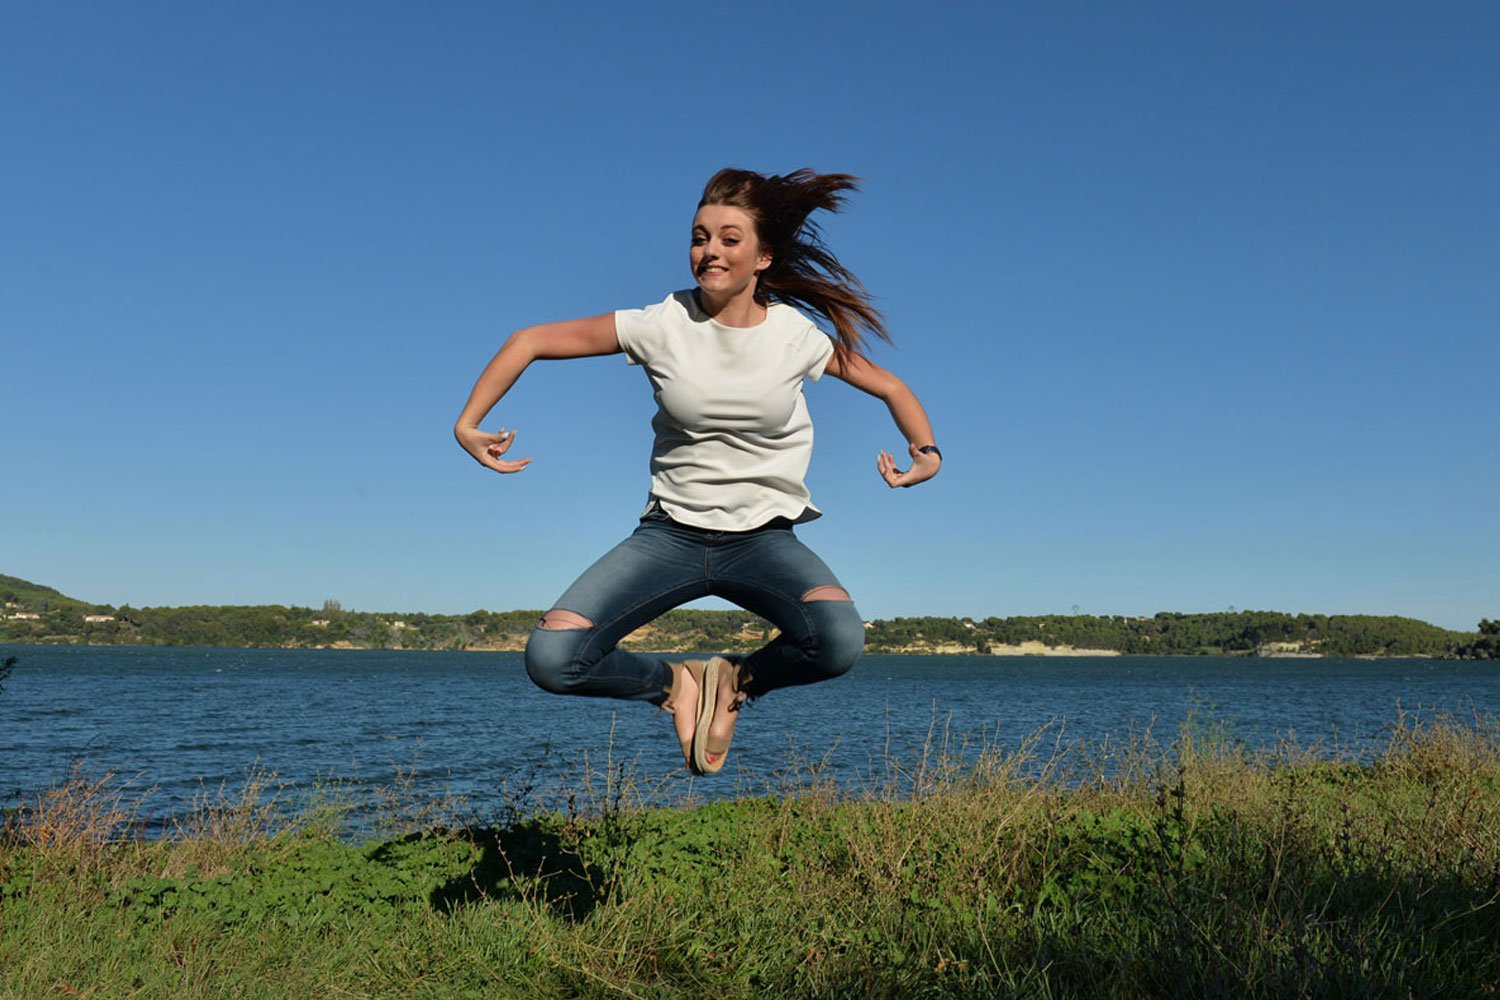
[[924, 465]]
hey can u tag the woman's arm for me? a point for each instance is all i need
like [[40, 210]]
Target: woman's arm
[[574, 338], [906, 410]]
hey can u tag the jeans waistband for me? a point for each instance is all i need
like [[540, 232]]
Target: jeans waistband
[[654, 512]]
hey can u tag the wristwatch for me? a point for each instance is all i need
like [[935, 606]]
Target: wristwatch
[[931, 449]]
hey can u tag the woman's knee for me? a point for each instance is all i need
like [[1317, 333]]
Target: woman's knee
[[840, 635], [552, 658]]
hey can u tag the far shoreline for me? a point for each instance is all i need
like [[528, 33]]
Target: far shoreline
[[1034, 650]]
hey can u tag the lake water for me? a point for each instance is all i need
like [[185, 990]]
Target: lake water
[[182, 720]]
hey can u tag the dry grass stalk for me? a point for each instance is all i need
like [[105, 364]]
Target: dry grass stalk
[[73, 826]]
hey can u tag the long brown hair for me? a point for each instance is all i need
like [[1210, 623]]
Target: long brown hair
[[803, 271]]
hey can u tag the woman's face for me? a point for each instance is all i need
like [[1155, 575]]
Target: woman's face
[[726, 254]]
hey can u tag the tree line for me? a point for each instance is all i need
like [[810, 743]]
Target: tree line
[[1167, 633], [1175, 634]]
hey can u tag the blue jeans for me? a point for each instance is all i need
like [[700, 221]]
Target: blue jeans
[[664, 564]]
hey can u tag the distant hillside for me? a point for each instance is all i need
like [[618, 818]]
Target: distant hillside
[[36, 614], [16, 593]]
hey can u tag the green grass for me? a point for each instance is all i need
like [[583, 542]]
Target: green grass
[[1192, 871]]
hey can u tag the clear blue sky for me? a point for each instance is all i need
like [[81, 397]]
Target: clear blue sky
[[1203, 300]]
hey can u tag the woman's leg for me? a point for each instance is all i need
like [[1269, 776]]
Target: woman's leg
[[773, 574], [573, 649]]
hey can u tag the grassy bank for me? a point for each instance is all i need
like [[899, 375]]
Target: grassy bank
[[1196, 870]]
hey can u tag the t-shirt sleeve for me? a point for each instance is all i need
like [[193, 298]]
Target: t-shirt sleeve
[[639, 331], [819, 351], [629, 327]]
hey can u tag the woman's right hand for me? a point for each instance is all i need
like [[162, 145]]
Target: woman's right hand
[[573, 338], [486, 449]]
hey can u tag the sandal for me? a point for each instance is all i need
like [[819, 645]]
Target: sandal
[[710, 753], [706, 675]]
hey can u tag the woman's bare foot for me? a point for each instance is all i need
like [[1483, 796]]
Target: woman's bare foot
[[684, 708], [685, 702]]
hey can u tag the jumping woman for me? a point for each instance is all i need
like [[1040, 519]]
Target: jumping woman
[[726, 360]]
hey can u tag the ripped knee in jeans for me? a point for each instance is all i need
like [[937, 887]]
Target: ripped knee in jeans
[[558, 620], [828, 592]]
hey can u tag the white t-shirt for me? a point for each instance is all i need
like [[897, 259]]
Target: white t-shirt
[[733, 436]]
